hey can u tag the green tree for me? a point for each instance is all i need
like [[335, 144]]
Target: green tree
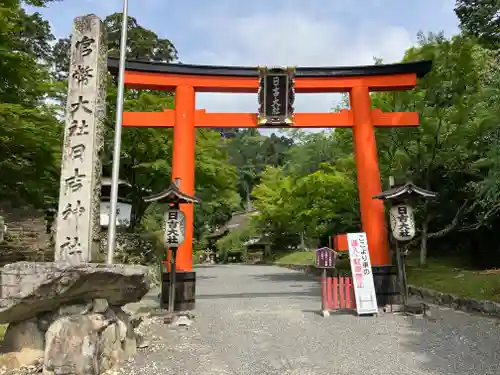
[[142, 43], [480, 18], [251, 152], [305, 208], [146, 153], [442, 153], [29, 129]]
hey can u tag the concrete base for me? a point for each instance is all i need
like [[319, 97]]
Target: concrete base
[[185, 291]]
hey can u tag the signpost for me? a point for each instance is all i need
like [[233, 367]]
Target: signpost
[[364, 287], [403, 222], [175, 230], [325, 258], [276, 96]]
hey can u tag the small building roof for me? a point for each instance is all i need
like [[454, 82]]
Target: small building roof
[[171, 195], [408, 189], [238, 220]]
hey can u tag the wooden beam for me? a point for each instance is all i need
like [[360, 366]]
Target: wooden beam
[[207, 83], [205, 119]]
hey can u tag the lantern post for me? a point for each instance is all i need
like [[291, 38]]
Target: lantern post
[[174, 235], [402, 198]]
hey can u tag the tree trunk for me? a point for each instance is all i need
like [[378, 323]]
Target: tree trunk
[[138, 210], [302, 242], [423, 243], [249, 200]]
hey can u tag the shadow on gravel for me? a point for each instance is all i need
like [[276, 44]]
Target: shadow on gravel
[[313, 312], [305, 293], [288, 277], [205, 277], [456, 343], [303, 285]]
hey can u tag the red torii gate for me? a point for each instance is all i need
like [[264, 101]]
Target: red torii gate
[[359, 81]]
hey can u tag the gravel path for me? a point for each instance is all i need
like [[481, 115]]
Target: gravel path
[[257, 320]]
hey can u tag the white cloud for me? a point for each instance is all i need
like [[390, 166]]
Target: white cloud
[[290, 39]]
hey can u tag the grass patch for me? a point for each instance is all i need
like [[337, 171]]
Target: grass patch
[[443, 275], [308, 257], [296, 257], [447, 276], [3, 328]]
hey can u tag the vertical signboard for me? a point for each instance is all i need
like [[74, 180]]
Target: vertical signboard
[[276, 96], [325, 258], [364, 287]]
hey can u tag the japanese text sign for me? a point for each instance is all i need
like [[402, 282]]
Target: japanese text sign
[[276, 96], [364, 288], [402, 222], [175, 228], [325, 258]]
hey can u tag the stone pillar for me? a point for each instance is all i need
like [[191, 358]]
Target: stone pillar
[[78, 223]]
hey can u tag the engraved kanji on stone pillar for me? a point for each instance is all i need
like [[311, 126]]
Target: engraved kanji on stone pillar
[[80, 189]]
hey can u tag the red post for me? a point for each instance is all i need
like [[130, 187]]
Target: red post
[[341, 294], [372, 210], [329, 293], [183, 166], [348, 287], [336, 304]]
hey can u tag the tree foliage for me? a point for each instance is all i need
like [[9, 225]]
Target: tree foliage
[[29, 129], [303, 184], [480, 18]]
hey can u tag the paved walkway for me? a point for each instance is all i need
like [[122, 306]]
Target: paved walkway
[[257, 320]]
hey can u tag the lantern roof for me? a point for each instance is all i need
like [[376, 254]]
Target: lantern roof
[[405, 191], [171, 195]]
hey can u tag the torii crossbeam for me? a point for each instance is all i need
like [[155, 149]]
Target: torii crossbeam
[[186, 80]]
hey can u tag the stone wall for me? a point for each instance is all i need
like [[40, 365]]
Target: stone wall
[[456, 302], [137, 248], [26, 238]]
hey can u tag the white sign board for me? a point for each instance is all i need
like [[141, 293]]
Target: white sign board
[[402, 222], [175, 228], [362, 275], [123, 214]]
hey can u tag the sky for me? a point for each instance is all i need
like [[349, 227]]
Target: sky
[[275, 32]]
